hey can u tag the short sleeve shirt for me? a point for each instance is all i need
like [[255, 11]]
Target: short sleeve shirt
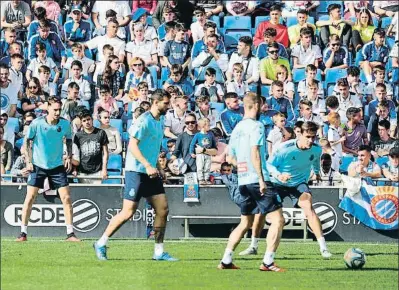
[[15, 15], [9, 96]]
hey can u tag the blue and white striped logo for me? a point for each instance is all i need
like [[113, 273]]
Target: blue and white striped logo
[[327, 215], [86, 215]]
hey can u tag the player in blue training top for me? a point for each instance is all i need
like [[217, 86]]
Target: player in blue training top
[[290, 168], [44, 148], [142, 176], [248, 153]]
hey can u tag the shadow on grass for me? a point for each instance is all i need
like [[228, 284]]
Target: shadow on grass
[[382, 254], [346, 269]]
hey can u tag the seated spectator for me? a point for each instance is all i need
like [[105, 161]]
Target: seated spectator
[[335, 133], [277, 101], [211, 53], [197, 27], [355, 133], [33, 100], [112, 77], [204, 110], [282, 76], [374, 53], [182, 148], [136, 97], [169, 35], [107, 102], [177, 51], [76, 30], [306, 115], [380, 94], [136, 75], [305, 53], [182, 9], [16, 14], [390, 169], [16, 75], [14, 48], [268, 66], [383, 143], [202, 44], [176, 79], [244, 56], [332, 105], [232, 115], [240, 8], [113, 135], [220, 158], [138, 112], [335, 55], [40, 15], [319, 104], [92, 144], [363, 30], [269, 37], [346, 100], [77, 77], [175, 118], [44, 79], [19, 167], [149, 32], [211, 7], [356, 87], [41, 59], [78, 54], [55, 48], [7, 153], [277, 134], [210, 87], [311, 73], [364, 167], [334, 25], [327, 171], [71, 102], [149, 6], [9, 92], [385, 8], [327, 149], [10, 37], [393, 27], [141, 47], [237, 84], [379, 78], [100, 13], [294, 31], [171, 145], [382, 114], [26, 121], [274, 22]]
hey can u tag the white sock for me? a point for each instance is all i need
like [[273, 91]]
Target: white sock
[[69, 229], [369, 78], [102, 241], [24, 229], [254, 242], [227, 257], [268, 259], [322, 244], [158, 249]]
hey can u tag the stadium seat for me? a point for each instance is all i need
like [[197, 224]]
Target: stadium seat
[[330, 90], [363, 77], [161, 32], [13, 122], [326, 127], [118, 124], [217, 106], [199, 74], [333, 75], [125, 135], [112, 180], [264, 91], [375, 22], [86, 104], [259, 20], [381, 160], [385, 22], [345, 161], [298, 74], [115, 163], [323, 7], [324, 17], [149, 20], [154, 75], [237, 23]]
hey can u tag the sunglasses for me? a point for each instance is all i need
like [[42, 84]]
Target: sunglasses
[[273, 51], [170, 146], [335, 44], [137, 64], [191, 122], [28, 122], [32, 87]]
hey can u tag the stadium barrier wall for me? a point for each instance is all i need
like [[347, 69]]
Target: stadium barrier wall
[[95, 205]]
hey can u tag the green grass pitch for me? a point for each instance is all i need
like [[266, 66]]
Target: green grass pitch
[[53, 264]]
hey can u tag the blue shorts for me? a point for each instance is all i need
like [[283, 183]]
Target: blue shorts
[[138, 185], [57, 177], [253, 202], [292, 192]]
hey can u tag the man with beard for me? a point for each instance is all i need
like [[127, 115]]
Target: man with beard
[[142, 177]]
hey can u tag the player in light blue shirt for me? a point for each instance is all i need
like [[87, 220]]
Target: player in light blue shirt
[[44, 148], [248, 154], [142, 178], [290, 167]]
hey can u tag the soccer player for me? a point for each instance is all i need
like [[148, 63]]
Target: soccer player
[[142, 177], [44, 143], [290, 167], [248, 153]]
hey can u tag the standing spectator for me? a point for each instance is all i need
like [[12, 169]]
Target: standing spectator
[[334, 134], [382, 114], [183, 10], [232, 115], [205, 111], [336, 55], [364, 167], [113, 135], [77, 77], [383, 143], [374, 53], [277, 134], [177, 51], [390, 169], [33, 99], [282, 76], [136, 75], [305, 53], [238, 85], [71, 103], [107, 102], [212, 8], [169, 35], [41, 59], [175, 118], [16, 14], [141, 47], [7, 153], [10, 37], [240, 8], [269, 37], [40, 14], [244, 56], [294, 31], [16, 76], [363, 30], [346, 100], [355, 132], [202, 147], [277, 101], [53, 10], [268, 65], [76, 30], [197, 27], [282, 32], [93, 150], [334, 25], [112, 77], [9, 92]]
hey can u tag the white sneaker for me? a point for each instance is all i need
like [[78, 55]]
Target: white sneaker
[[325, 254], [249, 251]]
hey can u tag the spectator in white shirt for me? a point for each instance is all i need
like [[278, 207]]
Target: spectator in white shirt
[[16, 76], [140, 16], [197, 28], [76, 77], [345, 99], [335, 133], [210, 87], [41, 59], [237, 84], [311, 73], [305, 52], [78, 54]]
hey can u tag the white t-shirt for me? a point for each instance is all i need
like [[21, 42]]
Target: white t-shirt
[[36, 63], [307, 56], [16, 78], [303, 88], [99, 42], [333, 136], [197, 31], [213, 117], [143, 49], [394, 22], [86, 63], [275, 137], [9, 96]]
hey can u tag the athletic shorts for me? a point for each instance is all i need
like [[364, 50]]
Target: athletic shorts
[[57, 177], [253, 202], [138, 185], [292, 192]]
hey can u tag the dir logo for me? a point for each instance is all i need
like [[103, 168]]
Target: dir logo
[[86, 215], [327, 215]]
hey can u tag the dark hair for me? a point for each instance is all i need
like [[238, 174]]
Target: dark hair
[[29, 114], [159, 95], [209, 24], [107, 74], [305, 31], [44, 68], [86, 113], [326, 156], [385, 124], [298, 124], [37, 83], [176, 68], [270, 31], [311, 67], [379, 31], [217, 132], [351, 112], [353, 71], [333, 6], [45, 24], [113, 20], [169, 26], [4, 66], [305, 102], [246, 39], [275, 7], [381, 85], [224, 164], [40, 46], [140, 110], [394, 152], [17, 55], [364, 148], [273, 44], [105, 88], [199, 9], [110, 13], [77, 63], [332, 102], [342, 82], [302, 11], [145, 103], [73, 85], [210, 71], [277, 84], [180, 27], [309, 126], [54, 100], [384, 104], [40, 13], [231, 95], [291, 132]]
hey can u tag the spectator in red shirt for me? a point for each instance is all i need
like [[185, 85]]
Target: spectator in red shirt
[[148, 5], [282, 31]]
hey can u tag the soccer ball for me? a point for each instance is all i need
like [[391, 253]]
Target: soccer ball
[[354, 258]]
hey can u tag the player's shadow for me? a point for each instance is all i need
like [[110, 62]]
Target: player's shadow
[[347, 269], [382, 254]]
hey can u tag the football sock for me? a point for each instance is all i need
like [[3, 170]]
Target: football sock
[[227, 257], [69, 229], [102, 241], [268, 259], [24, 229], [322, 244], [254, 242], [158, 249]]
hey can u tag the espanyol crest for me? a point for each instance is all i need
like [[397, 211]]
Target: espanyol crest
[[5, 102]]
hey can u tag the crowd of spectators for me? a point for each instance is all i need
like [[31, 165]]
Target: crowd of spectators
[[335, 64]]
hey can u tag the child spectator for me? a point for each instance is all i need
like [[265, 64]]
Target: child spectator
[[106, 102], [210, 87], [113, 135], [269, 36], [107, 51], [277, 133], [233, 113], [137, 113], [7, 154], [238, 85], [77, 77], [44, 78], [136, 75], [307, 115], [41, 59], [335, 133], [379, 78], [71, 102], [205, 111], [136, 97], [326, 149], [19, 167], [332, 105], [87, 63], [176, 79], [319, 105], [202, 147], [171, 145], [282, 76], [177, 51], [311, 73], [16, 76], [390, 169]]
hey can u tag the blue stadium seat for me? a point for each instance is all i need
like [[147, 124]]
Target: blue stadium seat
[[161, 32], [382, 160], [217, 106], [113, 180], [115, 163], [154, 75], [323, 7], [375, 22], [333, 75], [86, 104], [330, 90], [118, 124], [96, 123], [264, 91], [125, 135], [199, 73], [363, 77], [326, 127], [298, 74], [345, 161], [259, 20], [324, 17], [385, 22], [149, 20], [13, 122], [237, 23], [318, 75]]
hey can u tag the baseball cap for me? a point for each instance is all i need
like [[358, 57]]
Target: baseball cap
[[76, 8], [137, 15]]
